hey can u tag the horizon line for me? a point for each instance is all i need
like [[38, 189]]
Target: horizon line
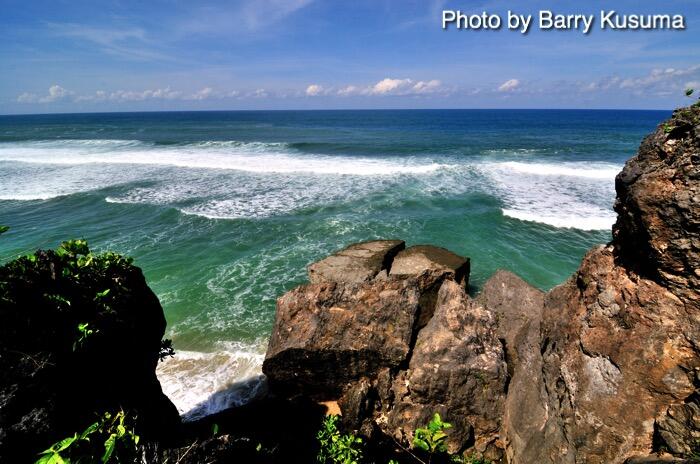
[[66, 113]]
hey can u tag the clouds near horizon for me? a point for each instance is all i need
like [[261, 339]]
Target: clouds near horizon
[[91, 56]]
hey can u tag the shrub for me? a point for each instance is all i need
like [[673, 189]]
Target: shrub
[[431, 438], [112, 438], [335, 447]]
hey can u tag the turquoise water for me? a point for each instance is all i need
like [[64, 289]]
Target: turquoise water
[[223, 210]]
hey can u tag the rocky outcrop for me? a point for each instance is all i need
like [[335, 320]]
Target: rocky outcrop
[[359, 262], [657, 233], [419, 258], [361, 327], [457, 357], [601, 369], [55, 379]]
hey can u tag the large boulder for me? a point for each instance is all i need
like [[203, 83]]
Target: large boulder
[[418, 258], [327, 335], [604, 368], [458, 370], [617, 350], [359, 262]]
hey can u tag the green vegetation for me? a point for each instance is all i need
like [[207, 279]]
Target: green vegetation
[[336, 447], [75, 287], [83, 333], [429, 445], [431, 438], [112, 438]]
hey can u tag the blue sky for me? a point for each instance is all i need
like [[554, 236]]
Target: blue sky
[[65, 56]]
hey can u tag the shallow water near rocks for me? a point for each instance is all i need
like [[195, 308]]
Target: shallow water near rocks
[[223, 210]]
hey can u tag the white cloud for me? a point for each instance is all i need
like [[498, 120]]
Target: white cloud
[[126, 42], [206, 92], [56, 92], [27, 97], [349, 90], [386, 86], [314, 90], [158, 94], [658, 82], [427, 86], [258, 93], [509, 85]]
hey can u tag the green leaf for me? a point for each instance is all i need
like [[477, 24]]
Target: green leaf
[[102, 294], [215, 429], [421, 444], [110, 443], [65, 443], [54, 458], [89, 431]]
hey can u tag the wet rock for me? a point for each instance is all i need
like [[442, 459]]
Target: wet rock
[[359, 262]]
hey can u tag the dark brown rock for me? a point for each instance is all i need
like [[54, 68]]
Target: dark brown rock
[[458, 370], [617, 352], [330, 334], [658, 206], [679, 428], [518, 308], [359, 262], [53, 384], [419, 258]]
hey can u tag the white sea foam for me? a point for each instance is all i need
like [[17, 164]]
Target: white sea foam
[[572, 194], [201, 383], [257, 180], [577, 169], [250, 157]]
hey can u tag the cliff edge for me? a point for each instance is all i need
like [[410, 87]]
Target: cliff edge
[[604, 368]]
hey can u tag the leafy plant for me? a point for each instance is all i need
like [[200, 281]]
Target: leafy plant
[[335, 447], [112, 438], [431, 438], [84, 332]]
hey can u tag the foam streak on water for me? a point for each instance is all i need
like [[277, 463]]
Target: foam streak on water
[[268, 179]]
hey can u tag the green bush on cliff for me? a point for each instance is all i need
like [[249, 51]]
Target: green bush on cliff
[[336, 447], [80, 333]]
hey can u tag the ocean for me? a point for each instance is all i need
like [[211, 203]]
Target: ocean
[[224, 210]]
